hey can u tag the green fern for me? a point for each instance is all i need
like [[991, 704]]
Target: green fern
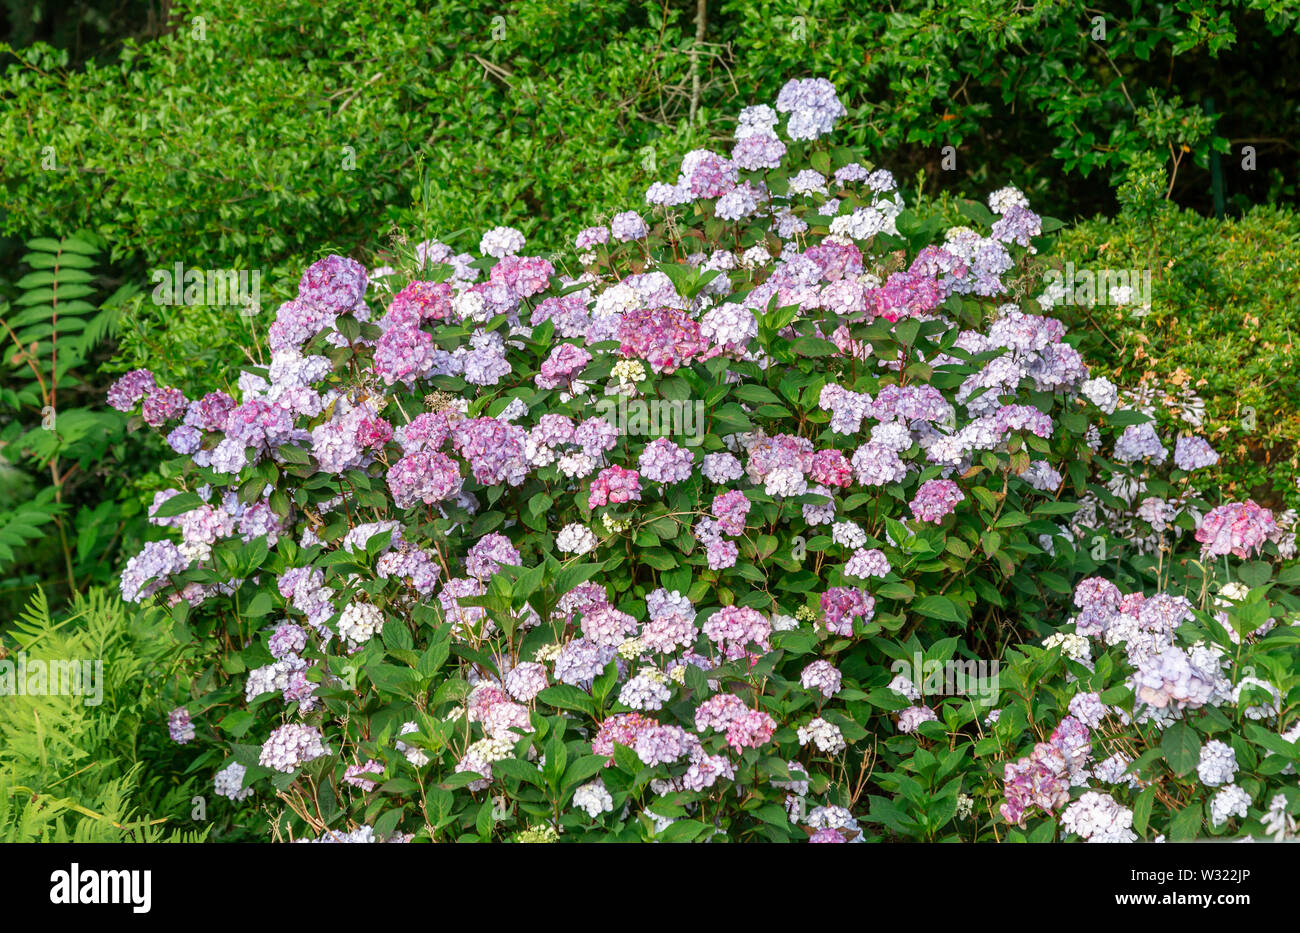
[[46, 334], [72, 772], [24, 524], [52, 304]]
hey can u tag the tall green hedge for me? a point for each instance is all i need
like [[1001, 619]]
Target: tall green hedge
[[1223, 322], [253, 133]]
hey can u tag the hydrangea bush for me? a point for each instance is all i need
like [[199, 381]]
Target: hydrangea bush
[[629, 543], [1154, 719]]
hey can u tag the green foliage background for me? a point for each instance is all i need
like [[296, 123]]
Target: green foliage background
[[261, 136], [1223, 321]]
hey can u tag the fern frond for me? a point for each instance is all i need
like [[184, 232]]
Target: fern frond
[[45, 325], [72, 770], [23, 525]]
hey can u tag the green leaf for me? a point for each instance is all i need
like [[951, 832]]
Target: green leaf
[[580, 769], [813, 346], [1142, 810], [292, 453], [520, 770], [939, 607], [1186, 823], [1255, 573], [1182, 748], [566, 696], [1126, 416], [179, 504], [258, 606], [682, 830], [754, 394]]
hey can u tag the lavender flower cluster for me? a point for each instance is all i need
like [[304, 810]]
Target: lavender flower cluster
[[1175, 672]]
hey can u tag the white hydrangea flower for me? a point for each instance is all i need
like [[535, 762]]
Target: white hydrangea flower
[[628, 372], [1101, 392], [1004, 199], [1231, 592], [1098, 818], [785, 481], [862, 224], [1218, 764], [195, 552], [631, 649], [575, 539], [501, 241], [848, 534], [826, 736], [548, 653], [469, 306], [1075, 647], [229, 782], [538, 455], [360, 622], [1230, 801], [594, 798], [577, 465], [784, 623]]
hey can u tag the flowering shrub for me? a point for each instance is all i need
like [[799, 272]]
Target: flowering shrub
[[447, 592], [1156, 720]]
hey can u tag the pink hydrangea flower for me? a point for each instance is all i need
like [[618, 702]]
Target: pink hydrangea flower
[[1237, 528], [614, 485]]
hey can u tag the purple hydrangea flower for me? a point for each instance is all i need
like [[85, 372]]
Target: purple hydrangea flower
[[424, 476], [628, 226], [179, 726], [129, 389], [333, 285], [1193, 453], [935, 499], [813, 107], [289, 747], [662, 461], [757, 152]]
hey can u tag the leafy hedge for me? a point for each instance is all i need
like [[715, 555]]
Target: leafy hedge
[[1223, 323], [247, 137]]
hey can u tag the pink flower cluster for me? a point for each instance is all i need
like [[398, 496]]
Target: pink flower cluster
[[935, 499], [1237, 528]]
